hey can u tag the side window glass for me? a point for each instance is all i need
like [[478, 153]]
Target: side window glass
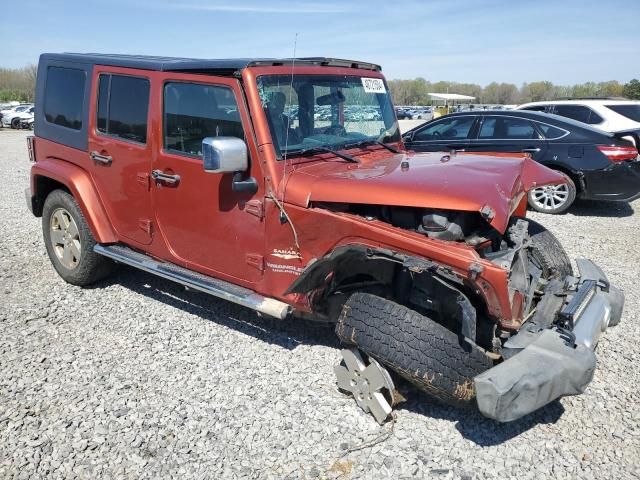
[[576, 112], [488, 127], [103, 102], [594, 118], [454, 128], [64, 97], [550, 132], [536, 108], [507, 128], [193, 112], [123, 104]]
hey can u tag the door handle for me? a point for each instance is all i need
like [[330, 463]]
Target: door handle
[[531, 150], [160, 176], [97, 157]]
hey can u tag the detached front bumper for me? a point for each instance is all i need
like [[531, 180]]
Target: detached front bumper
[[545, 360]]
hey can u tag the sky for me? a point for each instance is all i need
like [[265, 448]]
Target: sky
[[471, 41]]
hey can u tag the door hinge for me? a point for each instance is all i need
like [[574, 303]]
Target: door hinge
[[143, 179], [255, 208], [256, 261], [145, 225]]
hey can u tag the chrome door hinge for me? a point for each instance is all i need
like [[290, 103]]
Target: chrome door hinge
[[145, 225], [255, 208], [143, 179], [256, 261]]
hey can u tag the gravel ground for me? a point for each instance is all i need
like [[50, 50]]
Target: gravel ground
[[138, 378]]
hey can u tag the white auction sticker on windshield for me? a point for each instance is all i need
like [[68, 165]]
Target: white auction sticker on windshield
[[373, 85]]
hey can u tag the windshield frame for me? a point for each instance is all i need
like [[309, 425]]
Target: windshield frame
[[297, 153]]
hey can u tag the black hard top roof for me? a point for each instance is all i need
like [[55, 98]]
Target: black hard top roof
[[175, 64]]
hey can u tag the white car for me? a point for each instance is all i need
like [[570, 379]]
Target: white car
[[606, 114], [422, 114], [13, 116]]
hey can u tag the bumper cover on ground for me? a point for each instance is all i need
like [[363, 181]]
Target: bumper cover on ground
[[552, 362]]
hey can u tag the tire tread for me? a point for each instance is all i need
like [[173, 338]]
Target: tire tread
[[417, 348]]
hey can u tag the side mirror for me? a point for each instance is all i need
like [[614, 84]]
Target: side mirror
[[407, 137], [224, 155]]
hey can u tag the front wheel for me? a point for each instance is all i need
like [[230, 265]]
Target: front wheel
[[15, 123], [422, 351], [547, 253], [69, 241], [552, 198]]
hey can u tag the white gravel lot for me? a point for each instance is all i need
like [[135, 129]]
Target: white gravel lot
[[137, 378]]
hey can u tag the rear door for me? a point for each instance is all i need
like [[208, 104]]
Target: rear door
[[501, 133], [445, 134], [120, 149]]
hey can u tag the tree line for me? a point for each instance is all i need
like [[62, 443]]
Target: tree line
[[416, 91], [19, 84]]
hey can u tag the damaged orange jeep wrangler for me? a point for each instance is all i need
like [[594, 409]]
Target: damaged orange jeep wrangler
[[284, 186]]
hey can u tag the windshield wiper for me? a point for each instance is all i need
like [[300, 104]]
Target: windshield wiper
[[374, 141], [320, 149]]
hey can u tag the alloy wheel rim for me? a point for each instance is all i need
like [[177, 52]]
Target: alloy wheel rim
[[65, 238], [550, 197]]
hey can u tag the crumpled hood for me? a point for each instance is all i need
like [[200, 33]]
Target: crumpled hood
[[461, 181]]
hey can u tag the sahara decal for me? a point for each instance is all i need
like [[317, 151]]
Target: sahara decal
[[285, 254]]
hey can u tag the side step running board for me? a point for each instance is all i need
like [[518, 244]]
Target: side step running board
[[197, 281]]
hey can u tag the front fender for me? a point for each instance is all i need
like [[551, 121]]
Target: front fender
[[78, 182]]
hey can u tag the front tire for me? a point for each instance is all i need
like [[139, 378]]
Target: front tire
[[15, 123], [547, 253], [417, 348], [69, 241]]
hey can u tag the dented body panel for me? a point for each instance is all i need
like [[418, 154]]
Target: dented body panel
[[460, 181]]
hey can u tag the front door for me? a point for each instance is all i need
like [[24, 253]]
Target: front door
[[120, 150], [502, 133], [205, 224], [443, 135]]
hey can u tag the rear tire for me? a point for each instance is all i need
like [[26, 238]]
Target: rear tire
[[547, 252], [417, 348], [69, 241], [553, 199]]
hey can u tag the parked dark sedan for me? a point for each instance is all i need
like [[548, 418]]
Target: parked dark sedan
[[599, 165]]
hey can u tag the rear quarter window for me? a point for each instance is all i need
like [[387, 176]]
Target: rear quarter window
[[550, 132], [64, 96], [631, 111]]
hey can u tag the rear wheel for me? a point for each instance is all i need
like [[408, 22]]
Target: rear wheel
[[552, 198], [69, 241], [422, 351]]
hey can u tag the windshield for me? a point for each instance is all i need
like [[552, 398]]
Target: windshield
[[311, 111], [631, 110]]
